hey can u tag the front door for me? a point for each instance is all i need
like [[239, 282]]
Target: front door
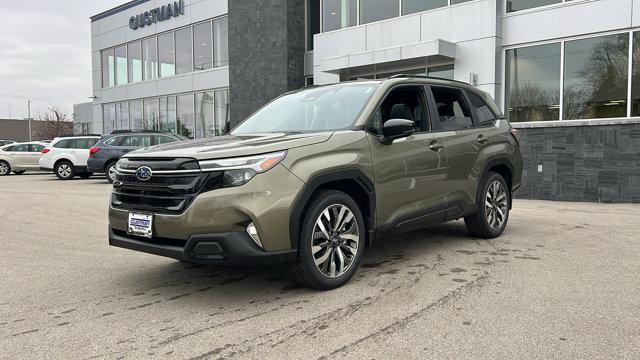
[[410, 173]]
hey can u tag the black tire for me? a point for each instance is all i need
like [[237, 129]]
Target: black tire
[[19, 172], [85, 175], [5, 168], [65, 170], [479, 224], [108, 170], [304, 269]]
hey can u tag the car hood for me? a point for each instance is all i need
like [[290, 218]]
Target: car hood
[[230, 146]]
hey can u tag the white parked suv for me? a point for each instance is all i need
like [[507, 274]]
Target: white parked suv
[[67, 156]]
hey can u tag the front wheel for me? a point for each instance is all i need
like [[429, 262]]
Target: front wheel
[[65, 170], [110, 172], [5, 168], [331, 241], [492, 215]]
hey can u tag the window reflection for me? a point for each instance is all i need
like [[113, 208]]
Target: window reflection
[[414, 6], [185, 120], [202, 46], [121, 65], [204, 114], [166, 52], [221, 112], [168, 114], [595, 77], [375, 10], [150, 58], [183, 51], [339, 14], [532, 83], [134, 52], [221, 42]]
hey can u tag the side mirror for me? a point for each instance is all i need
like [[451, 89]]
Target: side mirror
[[396, 129]]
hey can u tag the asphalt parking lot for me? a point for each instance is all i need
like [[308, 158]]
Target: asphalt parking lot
[[562, 282]]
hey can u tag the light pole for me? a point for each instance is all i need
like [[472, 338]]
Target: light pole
[[29, 110]]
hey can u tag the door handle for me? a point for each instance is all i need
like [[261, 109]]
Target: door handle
[[435, 146], [481, 139]]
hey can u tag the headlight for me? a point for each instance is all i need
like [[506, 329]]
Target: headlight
[[238, 171]]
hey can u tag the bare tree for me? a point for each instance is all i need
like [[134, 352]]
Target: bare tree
[[53, 122]]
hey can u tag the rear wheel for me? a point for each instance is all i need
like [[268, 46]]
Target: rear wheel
[[5, 168], [493, 208], [19, 172], [65, 170], [331, 241], [110, 172]]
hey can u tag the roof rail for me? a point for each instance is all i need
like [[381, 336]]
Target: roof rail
[[78, 135], [424, 77], [137, 131]]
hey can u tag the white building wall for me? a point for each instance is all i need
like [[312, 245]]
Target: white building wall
[[471, 26], [114, 30]]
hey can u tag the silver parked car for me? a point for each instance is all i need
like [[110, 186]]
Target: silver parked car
[[20, 157]]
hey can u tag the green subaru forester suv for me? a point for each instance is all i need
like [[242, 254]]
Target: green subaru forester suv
[[315, 176]]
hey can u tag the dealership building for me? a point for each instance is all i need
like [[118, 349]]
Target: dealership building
[[565, 72]]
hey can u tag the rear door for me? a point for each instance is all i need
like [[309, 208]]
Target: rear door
[[463, 144], [35, 152], [79, 149]]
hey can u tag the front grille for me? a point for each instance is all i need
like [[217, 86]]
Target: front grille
[[169, 193]]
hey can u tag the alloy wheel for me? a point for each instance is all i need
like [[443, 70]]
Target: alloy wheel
[[112, 173], [4, 168], [64, 170], [496, 205], [335, 239]]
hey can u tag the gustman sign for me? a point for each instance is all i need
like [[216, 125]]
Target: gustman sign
[[160, 13]]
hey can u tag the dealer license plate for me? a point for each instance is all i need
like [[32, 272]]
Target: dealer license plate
[[140, 224]]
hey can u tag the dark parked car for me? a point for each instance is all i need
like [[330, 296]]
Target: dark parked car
[[104, 155]]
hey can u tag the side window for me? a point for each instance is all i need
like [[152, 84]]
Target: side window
[[10, 148], [85, 143], [36, 148], [137, 141], [113, 141], [452, 109], [164, 139], [407, 103], [484, 114], [63, 144], [22, 148]]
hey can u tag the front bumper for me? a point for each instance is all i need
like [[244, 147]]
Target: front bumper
[[232, 248], [229, 210]]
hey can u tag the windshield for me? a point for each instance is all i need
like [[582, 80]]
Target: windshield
[[318, 109]]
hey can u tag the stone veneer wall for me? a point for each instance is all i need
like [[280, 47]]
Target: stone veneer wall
[[266, 52], [595, 163]]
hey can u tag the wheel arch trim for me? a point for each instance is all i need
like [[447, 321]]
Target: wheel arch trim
[[315, 183]]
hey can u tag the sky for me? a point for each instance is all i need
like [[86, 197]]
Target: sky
[[45, 54]]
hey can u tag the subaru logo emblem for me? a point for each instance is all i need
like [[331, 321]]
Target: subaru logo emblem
[[143, 173]]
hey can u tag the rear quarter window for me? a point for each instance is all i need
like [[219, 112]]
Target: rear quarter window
[[63, 144], [483, 112]]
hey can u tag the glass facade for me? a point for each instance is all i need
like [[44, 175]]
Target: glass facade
[[221, 42], [340, 14], [183, 49], [202, 46], [592, 82], [312, 21], [150, 58], [121, 65], [194, 115], [596, 77], [532, 83], [134, 65], [192, 48], [376, 10], [517, 5], [166, 54]]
